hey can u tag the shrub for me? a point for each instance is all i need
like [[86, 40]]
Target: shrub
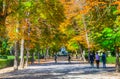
[[6, 63], [3, 57], [10, 57]]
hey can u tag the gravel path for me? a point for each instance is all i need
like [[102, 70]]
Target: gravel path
[[62, 70]]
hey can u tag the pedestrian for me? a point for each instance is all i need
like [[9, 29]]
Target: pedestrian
[[104, 60], [91, 59], [69, 59], [55, 57], [97, 58]]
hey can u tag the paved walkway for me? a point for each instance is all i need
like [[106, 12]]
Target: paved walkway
[[62, 70]]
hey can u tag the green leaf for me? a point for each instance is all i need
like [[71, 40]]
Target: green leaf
[[109, 35], [116, 12], [27, 4], [43, 16], [107, 30]]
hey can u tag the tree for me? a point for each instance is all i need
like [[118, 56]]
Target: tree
[[107, 22]]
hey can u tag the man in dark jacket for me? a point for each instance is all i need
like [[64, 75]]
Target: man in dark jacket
[[55, 57], [69, 59], [91, 59], [104, 60]]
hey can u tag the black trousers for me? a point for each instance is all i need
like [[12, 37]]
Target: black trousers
[[97, 63]]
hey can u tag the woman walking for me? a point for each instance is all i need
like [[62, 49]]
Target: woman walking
[[97, 58]]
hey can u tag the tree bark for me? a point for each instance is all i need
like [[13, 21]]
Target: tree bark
[[76, 54], [16, 46], [3, 15], [117, 60], [47, 53], [28, 42], [81, 52], [22, 54], [86, 34], [38, 57], [32, 62], [82, 4], [2, 26], [27, 57], [16, 56]]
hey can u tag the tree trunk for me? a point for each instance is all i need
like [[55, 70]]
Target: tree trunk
[[76, 54], [82, 4], [16, 56], [117, 60], [86, 34], [81, 52], [47, 53], [38, 57], [32, 62], [16, 46], [3, 15], [83, 57], [22, 53], [28, 42], [2, 26], [27, 57], [42, 53]]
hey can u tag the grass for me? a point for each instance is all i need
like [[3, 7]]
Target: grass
[[111, 60]]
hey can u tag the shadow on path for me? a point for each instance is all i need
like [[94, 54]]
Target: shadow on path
[[55, 71], [59, 63]]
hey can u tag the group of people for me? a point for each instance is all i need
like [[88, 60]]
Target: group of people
[[95, 57], [92, 58]]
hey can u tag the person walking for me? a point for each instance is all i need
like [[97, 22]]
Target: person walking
[[104, 60], [69, 59], [97, 58], [55, 57], [91, 60]]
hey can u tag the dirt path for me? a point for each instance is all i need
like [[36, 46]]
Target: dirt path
[[62, 70]]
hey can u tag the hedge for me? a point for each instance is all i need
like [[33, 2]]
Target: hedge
[[6, 63], [3, 57]]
